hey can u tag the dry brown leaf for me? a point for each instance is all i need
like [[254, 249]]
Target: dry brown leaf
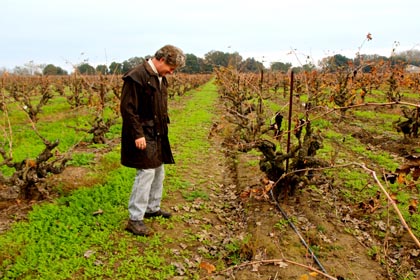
[[265, 181], [403, 169], [245, 194], [394, 197], [412, 208], [416, 173], [269, 186], [401, 178], [307, 276], [208, 267], [304, 277]]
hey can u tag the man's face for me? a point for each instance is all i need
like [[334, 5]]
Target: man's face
[[164, 68]]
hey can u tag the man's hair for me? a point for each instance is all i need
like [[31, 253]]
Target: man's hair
[[173, 56]]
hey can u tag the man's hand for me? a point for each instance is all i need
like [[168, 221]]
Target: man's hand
[[141, 143]]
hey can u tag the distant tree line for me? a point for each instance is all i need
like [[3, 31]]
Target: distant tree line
[[195, 65], [333, 63]]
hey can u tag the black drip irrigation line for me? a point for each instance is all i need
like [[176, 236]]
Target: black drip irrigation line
[[298, 233]]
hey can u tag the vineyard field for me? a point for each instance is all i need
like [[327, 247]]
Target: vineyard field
[[278, 176]]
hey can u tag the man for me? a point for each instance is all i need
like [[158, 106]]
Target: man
[[144, 142]]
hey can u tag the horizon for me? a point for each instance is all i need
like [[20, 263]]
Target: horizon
[[266, 64]]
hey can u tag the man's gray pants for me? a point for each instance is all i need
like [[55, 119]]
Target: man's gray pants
[[146, 193]]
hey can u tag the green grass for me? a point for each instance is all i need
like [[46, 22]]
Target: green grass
[[82, 159], [192, 195]]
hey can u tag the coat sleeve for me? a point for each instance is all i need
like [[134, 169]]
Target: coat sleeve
[[129, 110]]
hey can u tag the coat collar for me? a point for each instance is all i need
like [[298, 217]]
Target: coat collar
[[136, 74], [149, 69]]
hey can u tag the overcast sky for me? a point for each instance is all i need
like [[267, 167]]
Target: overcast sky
[[68, 32]]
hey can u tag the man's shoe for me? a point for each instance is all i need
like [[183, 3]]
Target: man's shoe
[[138, 228], [159, 213]]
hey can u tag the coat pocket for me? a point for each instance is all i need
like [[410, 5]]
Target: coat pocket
[[151, 150], [149, 129]]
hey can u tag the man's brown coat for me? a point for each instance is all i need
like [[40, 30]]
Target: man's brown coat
[[144, 110]]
